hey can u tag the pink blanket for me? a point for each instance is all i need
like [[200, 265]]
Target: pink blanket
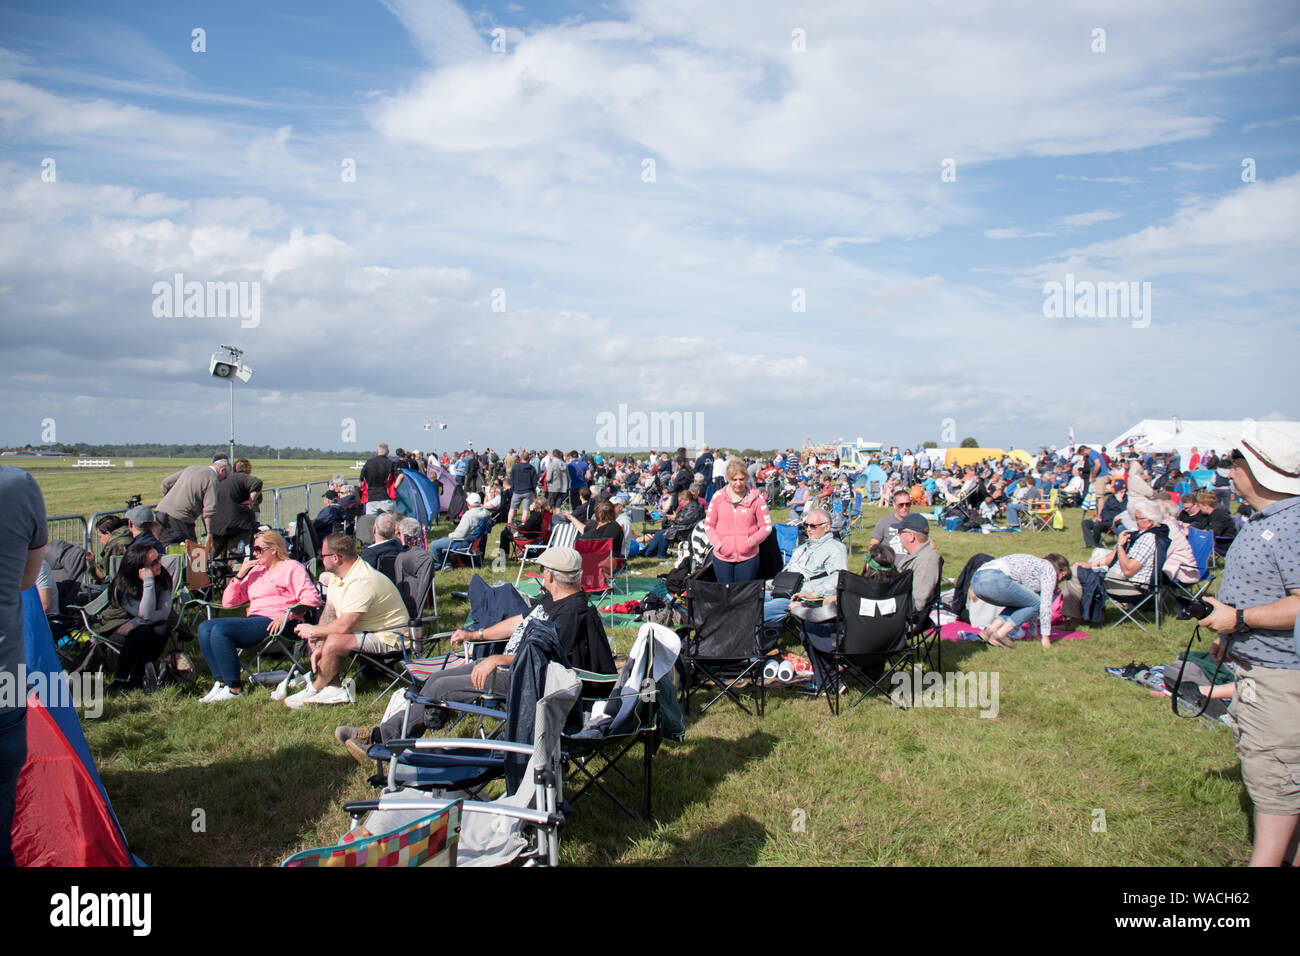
[[949, 632]]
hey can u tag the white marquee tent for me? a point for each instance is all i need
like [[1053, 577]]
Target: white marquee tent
[[1172, 434]]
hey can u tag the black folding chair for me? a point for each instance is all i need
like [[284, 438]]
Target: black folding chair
[[722, 641], [869, 638], [632, 707]]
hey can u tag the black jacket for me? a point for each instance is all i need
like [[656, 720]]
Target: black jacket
[[540, 646], [523, 478], [233, 515]]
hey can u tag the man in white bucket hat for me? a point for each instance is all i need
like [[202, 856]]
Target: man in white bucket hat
[[1255, 615]]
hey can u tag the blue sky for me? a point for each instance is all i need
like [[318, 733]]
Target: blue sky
[[517, 177]]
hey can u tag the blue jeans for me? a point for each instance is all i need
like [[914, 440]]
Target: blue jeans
[[220, 639], [656, 547], [439, 550], [728, 572], [1021, 604], [13, 754], [774, 608], [1013, 514]]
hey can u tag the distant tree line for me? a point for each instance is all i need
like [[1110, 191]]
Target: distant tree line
[[160, 450]]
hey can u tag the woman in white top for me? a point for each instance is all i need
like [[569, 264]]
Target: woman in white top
[[1023, 585]]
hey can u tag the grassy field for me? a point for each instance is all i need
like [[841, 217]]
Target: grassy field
[[70, 490], [1078, 768]]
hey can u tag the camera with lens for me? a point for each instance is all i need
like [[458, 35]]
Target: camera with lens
[[1192, 609], [133, 502]]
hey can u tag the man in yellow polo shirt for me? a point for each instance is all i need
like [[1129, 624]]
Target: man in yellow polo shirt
[[363, 611]]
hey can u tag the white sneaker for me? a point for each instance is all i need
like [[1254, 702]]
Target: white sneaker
[[304, 696], [223, 693], [210, 695], [332, 694], [282, 689]]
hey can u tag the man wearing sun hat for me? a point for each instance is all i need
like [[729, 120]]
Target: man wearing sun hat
[[562, 603], [1255, 615]]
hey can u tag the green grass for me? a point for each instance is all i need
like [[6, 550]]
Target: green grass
[[876, 786]]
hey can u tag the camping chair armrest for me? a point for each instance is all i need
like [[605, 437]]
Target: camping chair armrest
[[536, 817], [593, 677], [476, 710], [457, 743]]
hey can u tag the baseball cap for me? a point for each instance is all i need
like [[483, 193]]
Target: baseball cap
[[564, 560], [912, 522], [1274, 457], [473, 498], [140, 515]]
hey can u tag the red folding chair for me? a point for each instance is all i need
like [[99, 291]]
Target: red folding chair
[[597, 564]]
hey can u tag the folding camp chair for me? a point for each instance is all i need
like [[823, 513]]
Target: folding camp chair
[[1202, 543], [869, 632], [523, 823], [101, 644], [787, 539], [525, 544], [597, 565], [489, 604], [725, 621], [429, 840], [1039, 514], [562, 536], [365, 528], [1133, 599], [470, 549], [640, 707]]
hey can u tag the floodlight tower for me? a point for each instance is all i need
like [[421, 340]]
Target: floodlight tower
[[226, 364]]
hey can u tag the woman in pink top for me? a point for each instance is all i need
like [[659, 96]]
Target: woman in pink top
[[737, 523], [271, 584]]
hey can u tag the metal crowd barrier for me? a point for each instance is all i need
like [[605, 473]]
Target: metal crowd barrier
[[280, 506], [71, 528]]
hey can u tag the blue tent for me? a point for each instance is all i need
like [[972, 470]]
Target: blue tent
[[418, 498], [63, 816], [873, 472]]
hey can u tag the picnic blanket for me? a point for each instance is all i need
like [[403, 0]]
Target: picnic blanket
[[961, 631], [623, 589]]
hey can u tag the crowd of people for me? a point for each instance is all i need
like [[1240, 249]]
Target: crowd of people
[[723, 503]]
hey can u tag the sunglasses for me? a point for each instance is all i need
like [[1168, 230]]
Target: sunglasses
[[258, 549]]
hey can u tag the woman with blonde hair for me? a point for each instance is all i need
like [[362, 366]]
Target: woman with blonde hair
[[270, 583], [737, 523]]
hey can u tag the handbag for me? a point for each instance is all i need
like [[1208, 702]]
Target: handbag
[[787, 584]]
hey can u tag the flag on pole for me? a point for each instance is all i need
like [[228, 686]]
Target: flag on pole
[[1178, 425], [1071, 445]]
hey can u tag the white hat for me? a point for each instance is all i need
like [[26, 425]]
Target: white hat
[[473, 499], [1274, 457]]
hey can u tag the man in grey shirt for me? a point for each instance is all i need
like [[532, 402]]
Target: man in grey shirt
[[1255, 615], [22, 546], [920, 556], [188, 495]]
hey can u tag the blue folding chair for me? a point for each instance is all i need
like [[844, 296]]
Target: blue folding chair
[[787, 537], [471, 548]]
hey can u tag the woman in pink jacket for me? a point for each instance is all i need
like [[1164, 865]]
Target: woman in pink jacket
[[737, 523], [271, 583]]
